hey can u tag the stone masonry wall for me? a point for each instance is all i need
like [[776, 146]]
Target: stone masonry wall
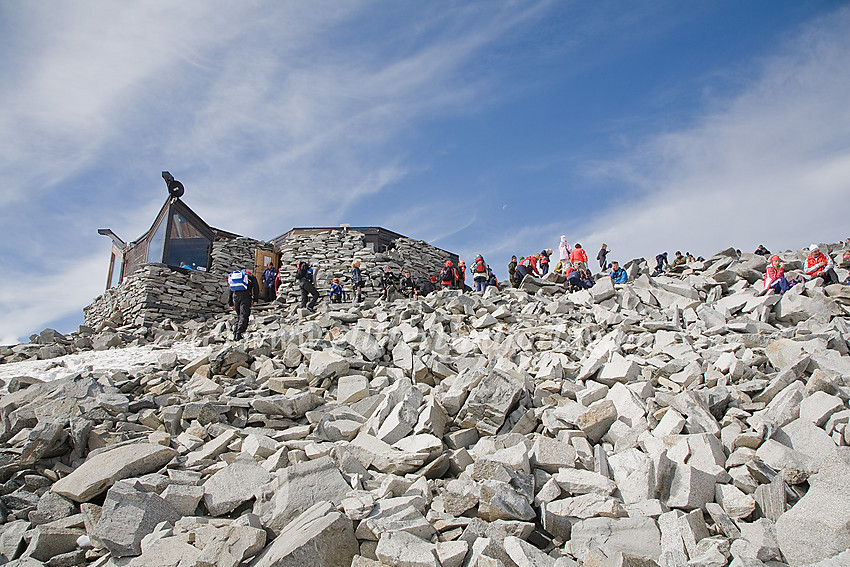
[[335, 250], [155, 291]]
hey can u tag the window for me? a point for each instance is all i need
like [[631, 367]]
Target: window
[[187, 246], [116, 262], [157, 244]]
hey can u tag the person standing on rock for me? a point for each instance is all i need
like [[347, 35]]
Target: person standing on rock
[[357, 281], [408, 286], [660, 261], [564, 252], [602, 256], [512, 271], [480, 273], [305, 282], [269, 277], [448, 276], [461, 275], [578, 255], [544, 261], [819, 265], [244, 290]]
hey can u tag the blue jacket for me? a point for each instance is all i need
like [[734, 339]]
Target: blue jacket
[[620, 276], [269, 276]]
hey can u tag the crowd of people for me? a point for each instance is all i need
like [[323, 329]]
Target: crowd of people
[[572, 264]]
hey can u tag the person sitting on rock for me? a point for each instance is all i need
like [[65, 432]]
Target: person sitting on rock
[[337, 294], [578, 257], [618, 274], [690, 257], [679, 260], [408, 286], [660, 262], [573, 278], [774, 279], [492, 280], [762, 251], [587, 280], [819, 265], [429, 286]]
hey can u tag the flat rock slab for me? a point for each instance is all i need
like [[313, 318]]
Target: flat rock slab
[[234, 484], [104, 469], [319, 536]]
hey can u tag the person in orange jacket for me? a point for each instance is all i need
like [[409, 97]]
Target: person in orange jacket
[[819, 265], [578, 255]]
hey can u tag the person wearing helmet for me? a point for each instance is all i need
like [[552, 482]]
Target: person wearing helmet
[[448, 277]]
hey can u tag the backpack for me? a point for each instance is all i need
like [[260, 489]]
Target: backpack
[[480, 267], [238, 281], [301, 270], [447, 276]]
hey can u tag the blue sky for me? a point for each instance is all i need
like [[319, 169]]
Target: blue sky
[[489, 127]]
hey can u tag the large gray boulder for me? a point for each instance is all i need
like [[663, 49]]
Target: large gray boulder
[[491, 400], [319, 536], [233, 485], [129, 514], [104, 469], [296, 488], [818, 526]]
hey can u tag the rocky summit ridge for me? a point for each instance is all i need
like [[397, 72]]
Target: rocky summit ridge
[[682, 420]]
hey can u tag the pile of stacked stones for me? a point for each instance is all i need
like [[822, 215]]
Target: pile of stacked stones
[[334, 250], [677, 420], [235, 254]]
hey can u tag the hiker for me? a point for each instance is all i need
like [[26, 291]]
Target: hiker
[[448, 277], [460, 272], [429, 286], [573, 278], [244, 290], [480, 273], [389, 284], [408, 286], [563, 252], [356, 281], [819, 265], [762, 251], [679, 260], [618, 274], [527, 266], [602, 256], [512, 271], [492, 280], [690, 257], [543, 262], [660, 261], [578, 257], [336, 294], [774, 279], [269, 278], [304, 278]]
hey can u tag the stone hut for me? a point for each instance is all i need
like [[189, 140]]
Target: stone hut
[[178, 268]]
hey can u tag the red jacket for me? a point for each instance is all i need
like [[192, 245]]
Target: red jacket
[[530, 262], [578, 255], [772, 275], [813, 260]]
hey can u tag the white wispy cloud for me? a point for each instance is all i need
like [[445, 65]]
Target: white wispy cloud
[[769, 165]]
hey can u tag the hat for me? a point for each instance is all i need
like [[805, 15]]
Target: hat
[[448, 263], [813, 247], [433, 279], [774, 258]]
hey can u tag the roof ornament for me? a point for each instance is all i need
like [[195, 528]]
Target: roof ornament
[[175, 188]]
